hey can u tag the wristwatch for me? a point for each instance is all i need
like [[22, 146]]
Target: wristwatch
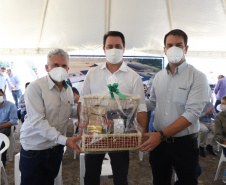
[[163, 137]]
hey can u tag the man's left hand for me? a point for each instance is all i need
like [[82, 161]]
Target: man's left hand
[[154, 139]]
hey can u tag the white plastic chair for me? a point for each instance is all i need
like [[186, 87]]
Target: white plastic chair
[[222, 159], [106, 171], [17, 179], [12, 146], [5, 139]]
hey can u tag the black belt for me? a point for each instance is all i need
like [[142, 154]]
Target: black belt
[[181, 139], [54, 149]]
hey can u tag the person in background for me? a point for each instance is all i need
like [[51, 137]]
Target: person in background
[[3, 79], [206, 124], [220, 128], [146, 91], [14, 86], [128, 82], [220, 76], [22, 105], [8, 118], [220, 91], [179, 93], [49, 103], [74, 113]]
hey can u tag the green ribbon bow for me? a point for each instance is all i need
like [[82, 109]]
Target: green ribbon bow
[[113, 89]]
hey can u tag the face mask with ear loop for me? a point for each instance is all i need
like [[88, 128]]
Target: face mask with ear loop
[[223, 107], [174, 54], [58, 74], [114, 56]]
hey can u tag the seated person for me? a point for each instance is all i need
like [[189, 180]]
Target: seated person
[[22, 105], [8, 118], [74, 115], [206, 125], [220, 124]]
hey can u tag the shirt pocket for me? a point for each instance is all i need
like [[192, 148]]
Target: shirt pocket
[[68, 108], [180, 96]]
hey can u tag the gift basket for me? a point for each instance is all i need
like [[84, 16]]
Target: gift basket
[[109, 121]]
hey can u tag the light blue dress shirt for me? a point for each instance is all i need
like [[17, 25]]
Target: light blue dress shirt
[[2, 82], [185, 93], [8, 113], [209, 117], [14, 81]]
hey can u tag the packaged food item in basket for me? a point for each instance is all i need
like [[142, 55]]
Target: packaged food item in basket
[[110, 121]]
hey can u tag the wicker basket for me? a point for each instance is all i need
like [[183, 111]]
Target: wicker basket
[[109, 142]]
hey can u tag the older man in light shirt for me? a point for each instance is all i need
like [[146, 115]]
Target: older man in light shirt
[[49, 103]]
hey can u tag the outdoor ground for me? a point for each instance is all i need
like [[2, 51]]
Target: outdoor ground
[[139, 171]]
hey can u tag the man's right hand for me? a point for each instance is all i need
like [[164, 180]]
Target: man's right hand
[[71, 142], [154, 139]]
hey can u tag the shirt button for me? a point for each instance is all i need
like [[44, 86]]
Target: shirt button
[[166, 113], [169, 89], [168, 101]]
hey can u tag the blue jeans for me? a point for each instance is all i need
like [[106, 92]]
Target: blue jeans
[[40, 167], [16, 96], [119, 164]]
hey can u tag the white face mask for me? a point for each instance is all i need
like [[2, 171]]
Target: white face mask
[[222, 107], [58, 74], [1, 99], [114, 56], [174, 54], [3, 73]]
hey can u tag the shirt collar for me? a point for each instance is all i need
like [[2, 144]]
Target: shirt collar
[[51, 83], [123, 67], [179, 69]]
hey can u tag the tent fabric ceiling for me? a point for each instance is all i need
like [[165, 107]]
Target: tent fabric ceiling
[[35, 27]]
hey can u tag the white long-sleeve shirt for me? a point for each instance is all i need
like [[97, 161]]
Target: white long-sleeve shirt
[[129, 82], [48, 113]]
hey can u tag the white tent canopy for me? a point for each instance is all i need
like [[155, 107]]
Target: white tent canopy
[[37, 26]]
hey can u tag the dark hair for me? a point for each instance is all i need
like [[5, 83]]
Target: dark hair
[[178, 33], [75, 90], [224, 98], [3, 68], [114, 34], [2, 91], [27, 84]]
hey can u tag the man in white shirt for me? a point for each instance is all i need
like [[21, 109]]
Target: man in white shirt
[[49, 103], [178, 94], [128, 82]]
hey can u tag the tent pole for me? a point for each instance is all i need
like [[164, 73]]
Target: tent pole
[[107, 21], [42, 23], [170, 14]]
